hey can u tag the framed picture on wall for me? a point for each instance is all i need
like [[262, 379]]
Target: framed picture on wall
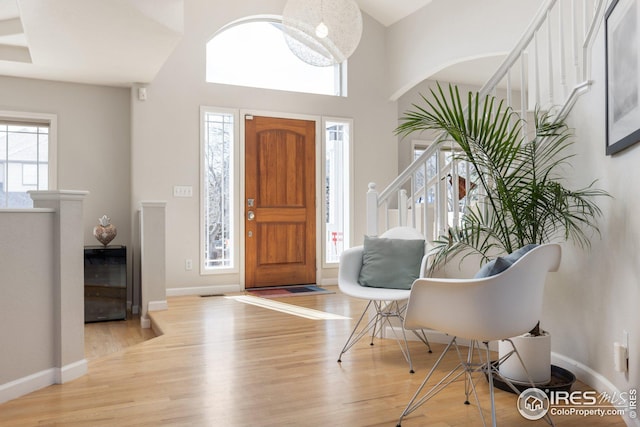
[[622, 75]]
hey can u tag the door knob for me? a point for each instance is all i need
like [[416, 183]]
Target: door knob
[[251, 215]]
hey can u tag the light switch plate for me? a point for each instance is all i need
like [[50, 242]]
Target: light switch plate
[[182, 191]]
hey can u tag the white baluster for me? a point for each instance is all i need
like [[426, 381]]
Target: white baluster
[[574, 40], [550, 54], [425, 205], [508, 78], [455, 193], [413, 200], [524, 92], [536, 70], [402, 207], [372, 210], [563, 68]]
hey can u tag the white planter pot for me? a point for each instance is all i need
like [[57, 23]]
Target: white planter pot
[[536, 355]]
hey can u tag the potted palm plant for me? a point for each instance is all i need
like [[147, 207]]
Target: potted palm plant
[[522, 198]]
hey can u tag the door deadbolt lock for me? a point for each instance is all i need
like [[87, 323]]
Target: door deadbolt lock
[[251, 215], [250, 202]]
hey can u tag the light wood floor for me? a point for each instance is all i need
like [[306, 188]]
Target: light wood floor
[[103, 338], [224, 363]]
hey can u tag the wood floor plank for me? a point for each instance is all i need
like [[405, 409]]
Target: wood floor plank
[[224, 363], [102, 338]]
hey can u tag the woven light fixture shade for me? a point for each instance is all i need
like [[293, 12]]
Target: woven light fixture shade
[[322, 32]]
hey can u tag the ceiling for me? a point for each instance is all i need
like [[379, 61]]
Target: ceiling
[[389, 12], [88, 41], [99, 42]]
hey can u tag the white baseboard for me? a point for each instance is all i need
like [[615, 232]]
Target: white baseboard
[[203, 290], [157, 305], [329, 282], [28, 384], [145, 322], [38, 380], [71, 371], [593, 379]]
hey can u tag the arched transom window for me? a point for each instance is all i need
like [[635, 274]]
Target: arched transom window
[[254, 53]]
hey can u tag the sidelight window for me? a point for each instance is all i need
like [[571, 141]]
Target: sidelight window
[[219, 131], [337, 188]]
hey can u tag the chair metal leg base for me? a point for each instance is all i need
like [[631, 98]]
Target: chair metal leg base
[[468, 367], [384, 311], [496, 372]]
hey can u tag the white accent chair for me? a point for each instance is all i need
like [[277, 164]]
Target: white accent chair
[[387, 303], [481, 310]]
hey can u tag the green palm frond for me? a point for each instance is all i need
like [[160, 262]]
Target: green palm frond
[[524, 199]]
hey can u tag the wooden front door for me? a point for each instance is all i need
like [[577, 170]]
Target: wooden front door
[[280, 214]]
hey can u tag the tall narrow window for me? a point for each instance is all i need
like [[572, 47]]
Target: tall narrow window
[[24, 161], [218, 189], [337, 181]]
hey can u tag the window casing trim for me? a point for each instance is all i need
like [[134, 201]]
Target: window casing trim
[[235, 192], [349, 198], [20, 117]]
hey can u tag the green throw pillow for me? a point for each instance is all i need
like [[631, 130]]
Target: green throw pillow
[[390, 263]]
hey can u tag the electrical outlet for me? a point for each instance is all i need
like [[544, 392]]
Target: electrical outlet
[[621, 353], [188, 264], [625, 334]]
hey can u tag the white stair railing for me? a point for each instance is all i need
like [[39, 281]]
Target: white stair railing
[[549, 68]]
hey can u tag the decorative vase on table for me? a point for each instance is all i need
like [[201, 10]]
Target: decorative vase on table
[[105, 232]]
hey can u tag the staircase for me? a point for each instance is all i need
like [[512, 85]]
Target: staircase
[[549, 67]]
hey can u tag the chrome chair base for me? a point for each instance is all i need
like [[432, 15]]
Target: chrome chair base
[[384, 311], [468, 367]]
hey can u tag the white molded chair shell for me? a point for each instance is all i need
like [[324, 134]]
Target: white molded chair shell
[[492, 308], [480, 310]]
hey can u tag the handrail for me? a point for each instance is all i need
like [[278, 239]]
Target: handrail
[[506, 65], [512, 58], [579, 83]]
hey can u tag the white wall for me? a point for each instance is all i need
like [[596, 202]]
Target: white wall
[[426, 42], [41, 298], [93, 143], [166, 132], [26, 302], [595, 295]]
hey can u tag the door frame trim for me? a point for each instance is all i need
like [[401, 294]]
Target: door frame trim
[[318, 178]]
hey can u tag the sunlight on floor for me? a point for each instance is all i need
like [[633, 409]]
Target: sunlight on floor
[[287, 308]]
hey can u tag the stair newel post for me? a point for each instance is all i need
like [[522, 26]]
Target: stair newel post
[[372, 210]]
